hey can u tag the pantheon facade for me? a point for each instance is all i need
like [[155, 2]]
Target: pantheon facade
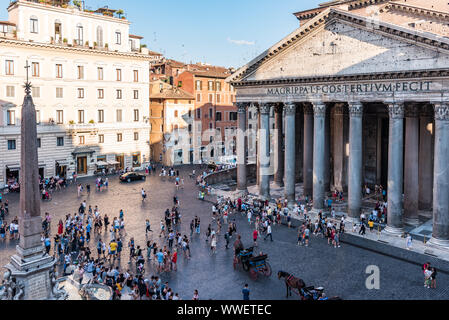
[[360, 92]]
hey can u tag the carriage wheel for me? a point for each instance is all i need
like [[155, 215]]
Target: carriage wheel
[[253, 273], [235, 263], [267, 270]]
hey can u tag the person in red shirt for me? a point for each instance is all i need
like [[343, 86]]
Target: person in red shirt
[[255, 235], [239, 203], [174, 260]]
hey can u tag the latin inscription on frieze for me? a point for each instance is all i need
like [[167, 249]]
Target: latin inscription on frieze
[[413, 86]]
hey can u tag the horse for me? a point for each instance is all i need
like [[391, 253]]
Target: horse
[[291, 282]]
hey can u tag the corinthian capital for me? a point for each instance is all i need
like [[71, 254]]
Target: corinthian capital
[[441, 111], [242, 107], [412, 110], [308, 109], [355, 109], [396, 110], [319, 109], [290, 108], [266, 107]]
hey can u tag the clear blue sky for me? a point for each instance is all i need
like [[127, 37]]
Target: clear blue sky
[[226, 33]]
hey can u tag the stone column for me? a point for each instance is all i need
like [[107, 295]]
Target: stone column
[[299, 140], [327, 153], [355, 159], [242, 184], [278, 147], [395, 168], [338, 146], [411, 188], [258, 146], [290, 153], [440, 235], [308, 150], [426, 132], [264, 151], [319, 127]]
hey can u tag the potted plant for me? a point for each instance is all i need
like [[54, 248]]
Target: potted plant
[[91, 122], [120, 13], [71, 122], [95, 44], [87, 43], [65, 40], [106, 46]]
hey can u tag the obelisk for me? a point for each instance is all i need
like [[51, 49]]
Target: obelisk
[[31, 268]]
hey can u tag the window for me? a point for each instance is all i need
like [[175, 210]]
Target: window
[[136, 94], [100, 37], [101, 138], [38, 142], [190, 114], [10, 91], [60, 141], [119, 74], [218, 98], [38, 116], [211, 98], [59, 93], [100, 116], [80, 116], [82, 140], [80, 93], [176, 113], [198, 85], [79, 34], [218, 116], [11, 144], [119, 137], [218, 84], [119, 115], [9, 68], [36, 92], [190, 128], [232, 116], [34, 25], [100, 93], [198, 97], [100, 73], [59, 116], [211, 139], [59, 71], [136, 75], [210, 85], [136, 159], [136, 136], [11, 118], [35, 69], [198, 113], [211, 113], [136, 115], [80, 72], [119, 94], [118, 37], [211, 125]]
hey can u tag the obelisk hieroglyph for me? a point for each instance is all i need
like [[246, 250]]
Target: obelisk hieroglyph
[[31, 267]]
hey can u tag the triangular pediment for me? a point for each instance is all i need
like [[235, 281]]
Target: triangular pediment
[[338, 43]]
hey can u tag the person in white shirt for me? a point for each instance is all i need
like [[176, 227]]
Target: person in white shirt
[[268, 233]]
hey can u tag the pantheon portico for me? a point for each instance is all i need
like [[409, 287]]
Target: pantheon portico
[[357, 105]]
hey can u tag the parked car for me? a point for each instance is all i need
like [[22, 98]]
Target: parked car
[[132, 176]]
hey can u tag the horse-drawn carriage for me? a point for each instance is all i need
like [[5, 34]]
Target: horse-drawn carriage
[[254, 264]]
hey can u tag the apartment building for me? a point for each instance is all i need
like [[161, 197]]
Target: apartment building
[[90, 81]]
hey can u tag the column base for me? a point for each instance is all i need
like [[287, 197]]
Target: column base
[[412, 222], [438, 243], [393, 231]]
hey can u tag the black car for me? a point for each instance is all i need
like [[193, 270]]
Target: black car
[[132, 176]]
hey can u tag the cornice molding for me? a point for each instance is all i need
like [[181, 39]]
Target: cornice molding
[[21, 43]]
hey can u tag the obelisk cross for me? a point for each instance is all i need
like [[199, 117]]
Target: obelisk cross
[[27, 83]]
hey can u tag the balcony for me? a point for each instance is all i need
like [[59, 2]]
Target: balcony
[[89, 128]]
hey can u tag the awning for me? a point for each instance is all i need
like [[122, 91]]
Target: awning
[[13, 168], [79, 150], [113, 162], [63, 163], [102, 163]]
